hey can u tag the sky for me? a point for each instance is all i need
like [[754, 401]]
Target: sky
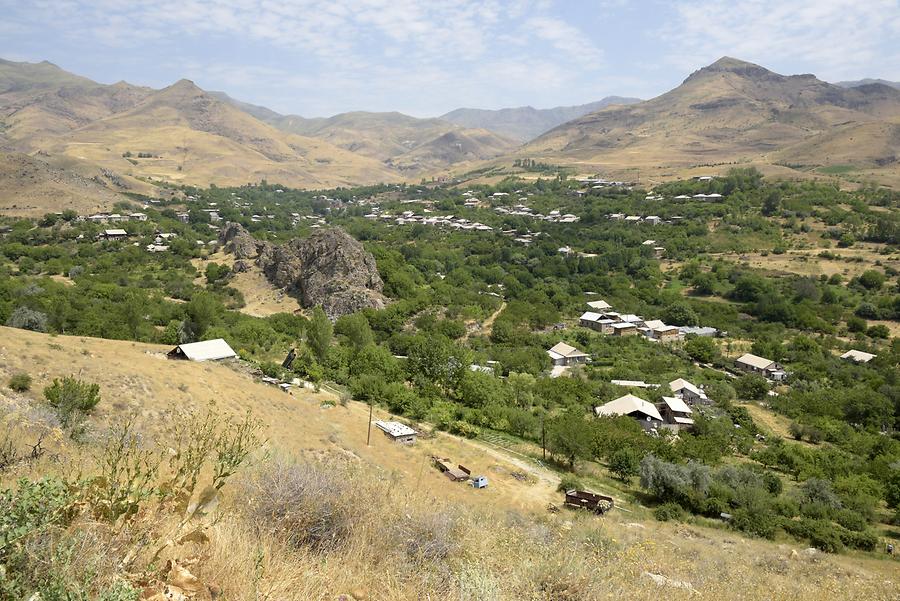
[[424, 58]]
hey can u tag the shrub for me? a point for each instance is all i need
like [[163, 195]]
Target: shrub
[[464, 428], [825, 537], [27, 319], [669, 511], [878, 331], [758, 521], [427, 535], [20, 382], [303, 504], [72, 398], [569, 482]]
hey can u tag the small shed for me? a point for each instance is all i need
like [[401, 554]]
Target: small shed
[[207, 350], [480, 482], [397, 432]]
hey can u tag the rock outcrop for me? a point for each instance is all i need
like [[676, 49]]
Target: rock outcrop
[[329, 268], [238, 241]]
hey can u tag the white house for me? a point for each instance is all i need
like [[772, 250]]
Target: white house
[[685, 390], [643, 411], [599, 305], [676, 413], [759, 365], [564, 354]]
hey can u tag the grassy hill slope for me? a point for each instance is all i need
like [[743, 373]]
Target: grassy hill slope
[[412, 534]]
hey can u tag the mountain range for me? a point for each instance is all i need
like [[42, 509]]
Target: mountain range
[[867, 81], [525, 123], [122, 137], [735, 112]]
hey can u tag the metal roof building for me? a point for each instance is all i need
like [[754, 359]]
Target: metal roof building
[[208, 350]]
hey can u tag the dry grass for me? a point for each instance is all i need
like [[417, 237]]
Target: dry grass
[[261, 298]]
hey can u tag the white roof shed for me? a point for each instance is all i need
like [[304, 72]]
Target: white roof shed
[[207, 350]]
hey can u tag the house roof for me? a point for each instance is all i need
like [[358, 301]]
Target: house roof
[[676, 404], [684, 421], [626, 405], [682, 384], [858, 356], [395, 429], [590, 316], [115, 232], [623, 325], [599, 304], [631, 317], [561, 349], [754, 361], [633, 383], [654, 323], [208, 350]]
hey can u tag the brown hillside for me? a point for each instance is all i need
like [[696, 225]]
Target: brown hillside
[[735, 112], [196, 138], [32, 187]]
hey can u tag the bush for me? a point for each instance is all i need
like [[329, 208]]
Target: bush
[[464, 428], [72, 398], [669, 511], [20, 382], [569, 482], [303, 504], [757, 521], [27, 319], [427, 535], [825, 537]]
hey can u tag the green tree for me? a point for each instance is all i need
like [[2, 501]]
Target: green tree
[[625, 464], [522, 386], [701, 348], [751, 386], [569, 437], [680, 314], [356, 328], [202, 311], [319, 333], [871, 279]]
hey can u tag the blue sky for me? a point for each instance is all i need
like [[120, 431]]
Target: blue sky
[[321, 57]]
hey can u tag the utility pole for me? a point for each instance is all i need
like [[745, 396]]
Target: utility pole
[[369, 433], [543, 440]]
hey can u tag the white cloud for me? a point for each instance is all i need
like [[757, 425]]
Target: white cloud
[[837, 38]]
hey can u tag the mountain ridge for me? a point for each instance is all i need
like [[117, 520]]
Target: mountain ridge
[[525, 123], [733, 111]]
